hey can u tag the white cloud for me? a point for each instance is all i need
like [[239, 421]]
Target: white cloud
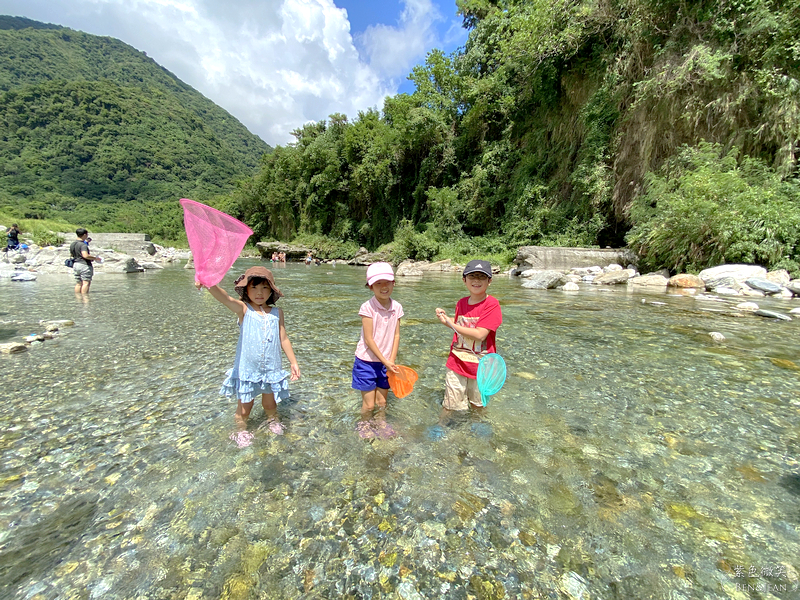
[[273, 64], [393, 51]]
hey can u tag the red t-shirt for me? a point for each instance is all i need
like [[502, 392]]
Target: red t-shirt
[[486, 314]]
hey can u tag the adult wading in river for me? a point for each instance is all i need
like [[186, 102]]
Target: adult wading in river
[[82, 266]]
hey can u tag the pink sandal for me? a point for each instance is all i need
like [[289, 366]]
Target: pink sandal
[[365, 430], [242, 438]]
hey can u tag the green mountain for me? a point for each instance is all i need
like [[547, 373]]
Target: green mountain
[[94, 131]]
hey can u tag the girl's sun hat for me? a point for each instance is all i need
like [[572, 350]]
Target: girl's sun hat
[[379, 271], [240, 285]]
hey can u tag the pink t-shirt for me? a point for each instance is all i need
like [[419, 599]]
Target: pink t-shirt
[[463, 350], [384, 324]]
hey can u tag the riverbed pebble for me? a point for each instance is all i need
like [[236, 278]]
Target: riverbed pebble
[[751, 306]]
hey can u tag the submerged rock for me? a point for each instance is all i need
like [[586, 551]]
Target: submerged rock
[[23, 276], [751, 306], [772, 315], [12, 348]]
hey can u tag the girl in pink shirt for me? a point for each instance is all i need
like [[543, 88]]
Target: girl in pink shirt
[[377, 350]]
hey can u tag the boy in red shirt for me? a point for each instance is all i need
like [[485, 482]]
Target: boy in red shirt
[[476, 320]]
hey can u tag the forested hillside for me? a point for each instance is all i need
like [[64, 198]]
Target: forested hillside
[[672, 125], [95, 132]]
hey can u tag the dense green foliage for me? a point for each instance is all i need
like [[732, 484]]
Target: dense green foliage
[[705, 207], [550, 126], [95, 132]]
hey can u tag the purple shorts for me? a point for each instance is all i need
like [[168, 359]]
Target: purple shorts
[[368, 375]]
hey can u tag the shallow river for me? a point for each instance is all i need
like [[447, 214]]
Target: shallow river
[[627, 456]]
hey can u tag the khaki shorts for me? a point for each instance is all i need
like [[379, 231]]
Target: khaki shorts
[[460, 392], [82, 272]]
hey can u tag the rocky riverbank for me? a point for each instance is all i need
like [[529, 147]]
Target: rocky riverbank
[[717, 283], [26, 263]]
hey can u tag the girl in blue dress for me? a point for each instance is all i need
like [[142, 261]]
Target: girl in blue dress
[[257, 369]]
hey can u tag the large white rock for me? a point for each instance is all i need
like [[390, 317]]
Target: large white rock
[[737, 272], [649, 281]]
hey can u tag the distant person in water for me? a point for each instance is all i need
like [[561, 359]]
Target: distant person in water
[[12, 238], [257, 369], [82, 267]]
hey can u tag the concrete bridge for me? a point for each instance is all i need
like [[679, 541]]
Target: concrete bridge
[[563, 259], [127, 243]]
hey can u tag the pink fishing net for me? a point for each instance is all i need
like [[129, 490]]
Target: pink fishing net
[[215, 239]]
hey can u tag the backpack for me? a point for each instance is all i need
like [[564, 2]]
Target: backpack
[[70, 262]]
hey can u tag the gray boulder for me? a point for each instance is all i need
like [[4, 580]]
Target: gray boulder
[[794, 287], [657, 280], [409, 268], [119, 263], [722, 282], [23, 276], [544, 280], [780, 276], [771, 314], [764, 285], [614, 277]]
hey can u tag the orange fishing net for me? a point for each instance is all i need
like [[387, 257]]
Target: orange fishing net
[[402, 383]]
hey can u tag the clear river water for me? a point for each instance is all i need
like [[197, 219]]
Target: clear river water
[[628, 455]]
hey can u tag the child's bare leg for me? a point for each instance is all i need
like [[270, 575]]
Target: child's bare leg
[[242, 414], [383, 429], [380, 403], [270, 406], [368, 404], [444, 417], [273, 423]]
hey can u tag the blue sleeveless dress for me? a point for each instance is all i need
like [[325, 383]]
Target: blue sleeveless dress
[[257, 368]]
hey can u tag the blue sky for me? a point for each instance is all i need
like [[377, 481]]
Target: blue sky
[[273, 64]]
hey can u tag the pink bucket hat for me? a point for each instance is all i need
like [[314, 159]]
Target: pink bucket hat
[[379, 271]]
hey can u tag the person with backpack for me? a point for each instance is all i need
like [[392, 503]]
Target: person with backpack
[[82, 261], [12, 236]]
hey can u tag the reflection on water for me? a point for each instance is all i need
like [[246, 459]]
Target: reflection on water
[[628, 456]]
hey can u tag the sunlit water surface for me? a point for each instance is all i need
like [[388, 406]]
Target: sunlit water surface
[[628, 455]]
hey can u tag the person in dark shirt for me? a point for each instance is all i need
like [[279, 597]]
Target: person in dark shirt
[[82, 268], [13, 237]]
